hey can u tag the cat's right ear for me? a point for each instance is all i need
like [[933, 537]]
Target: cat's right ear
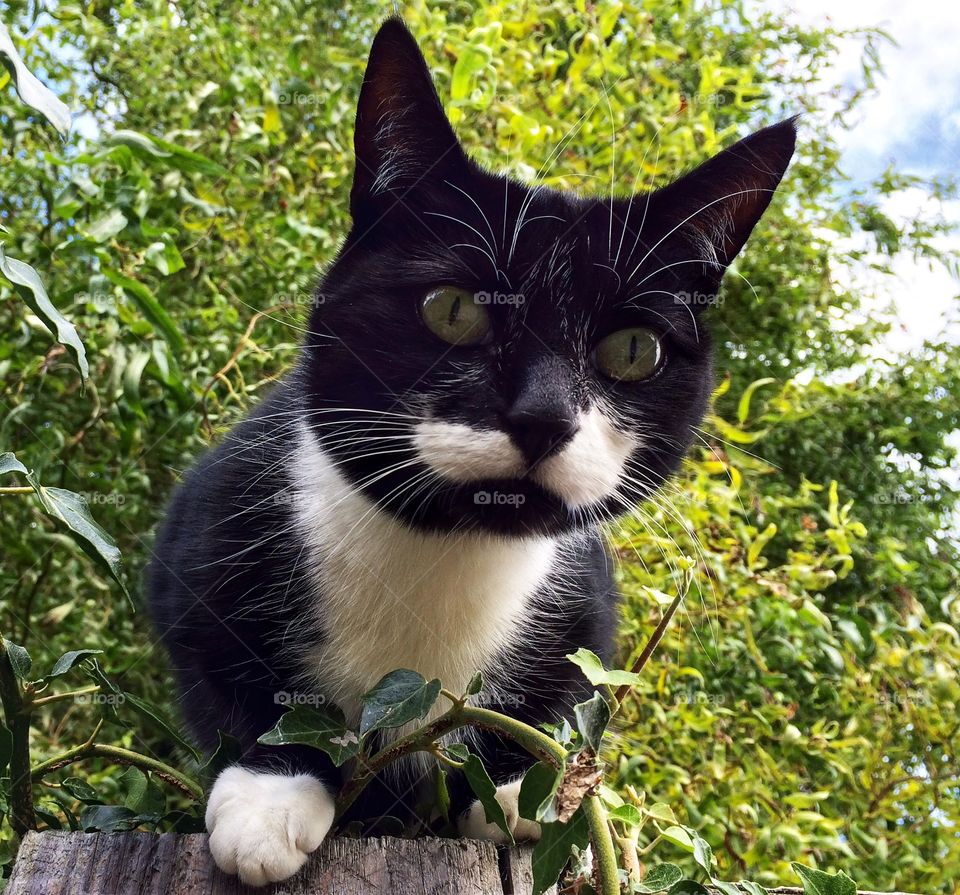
[[402, 134]]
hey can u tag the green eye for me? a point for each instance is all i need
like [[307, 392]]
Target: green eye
[[629, 354], [455, 316]]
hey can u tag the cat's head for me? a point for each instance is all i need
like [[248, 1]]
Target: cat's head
[[487, 355]]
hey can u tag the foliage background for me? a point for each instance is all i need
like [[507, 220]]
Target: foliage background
[[807, 705]]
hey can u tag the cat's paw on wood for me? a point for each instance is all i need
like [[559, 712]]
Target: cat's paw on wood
[[263, 826], [473, 823]]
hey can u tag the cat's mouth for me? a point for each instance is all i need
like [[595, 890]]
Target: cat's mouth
[[583, 472]]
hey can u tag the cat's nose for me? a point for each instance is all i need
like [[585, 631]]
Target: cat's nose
[[540, 429]]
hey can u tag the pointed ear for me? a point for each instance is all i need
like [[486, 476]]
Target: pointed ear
[[717, 205], [402, 133]]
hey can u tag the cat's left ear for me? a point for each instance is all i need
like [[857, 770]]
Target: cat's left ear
[[715, 207], [402, 134]]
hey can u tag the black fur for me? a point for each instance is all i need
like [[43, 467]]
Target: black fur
[[226, 584]]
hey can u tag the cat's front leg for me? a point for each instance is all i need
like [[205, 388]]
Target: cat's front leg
[[263, 825], [473, 823]]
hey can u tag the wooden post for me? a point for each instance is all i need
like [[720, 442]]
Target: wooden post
[[61, 863]]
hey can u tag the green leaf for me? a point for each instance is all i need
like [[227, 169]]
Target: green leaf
[[29, 287], [69, 659], [29, 88], [816, 882], [475, 685], [703, 854], [537, 790], [398, 698], [679, 837], [661, 877], [323, 729], [486, 793], [228, 752], [183, 159], [628, 814], [9, 463], [743, 408], [107, 818], [551, 853], [725, 887], [592, 718], [165, 256], [752, 888], [589, 663], [688, 887], [152, 714], [81, 791], [147, 302], [20, 660], [70, 510], [106, 226]]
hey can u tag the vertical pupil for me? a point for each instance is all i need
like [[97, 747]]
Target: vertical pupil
[[633, 350], [454, 314]]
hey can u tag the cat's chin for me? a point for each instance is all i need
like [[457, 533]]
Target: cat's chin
[[505, 507]]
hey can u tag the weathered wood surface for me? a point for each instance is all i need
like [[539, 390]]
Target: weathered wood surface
[[60, 863]]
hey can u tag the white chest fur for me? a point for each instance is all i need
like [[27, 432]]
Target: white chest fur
[[394, 597]]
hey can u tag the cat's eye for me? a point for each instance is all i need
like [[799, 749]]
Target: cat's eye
[[629, 355], [456, 316]]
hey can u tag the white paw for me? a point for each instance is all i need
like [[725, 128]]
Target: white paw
[[262, 826], [473, 823]]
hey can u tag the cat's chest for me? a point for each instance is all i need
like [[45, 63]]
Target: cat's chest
[[388, 597]]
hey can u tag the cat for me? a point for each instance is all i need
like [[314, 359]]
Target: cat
[[491, 371]]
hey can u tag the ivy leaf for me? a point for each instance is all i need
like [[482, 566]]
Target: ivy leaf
[[816, 882], [589, 663], [69, 659], [19, 658], [30, 288], [486, 793], [551, 853], [30, 89], [537, 790], [661, 877], [324, 729], [398, 698], [70, 510], [592, 718]]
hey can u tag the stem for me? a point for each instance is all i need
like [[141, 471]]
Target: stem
[[652, 644], [534, 741], [22, 817], [16, 489], [605, 865], [120, 756], [58, 697]]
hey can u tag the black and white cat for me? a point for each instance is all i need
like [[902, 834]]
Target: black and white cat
[[493, 370]]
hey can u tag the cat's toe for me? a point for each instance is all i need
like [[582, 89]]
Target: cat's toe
[[473, 823], [263, 826]]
